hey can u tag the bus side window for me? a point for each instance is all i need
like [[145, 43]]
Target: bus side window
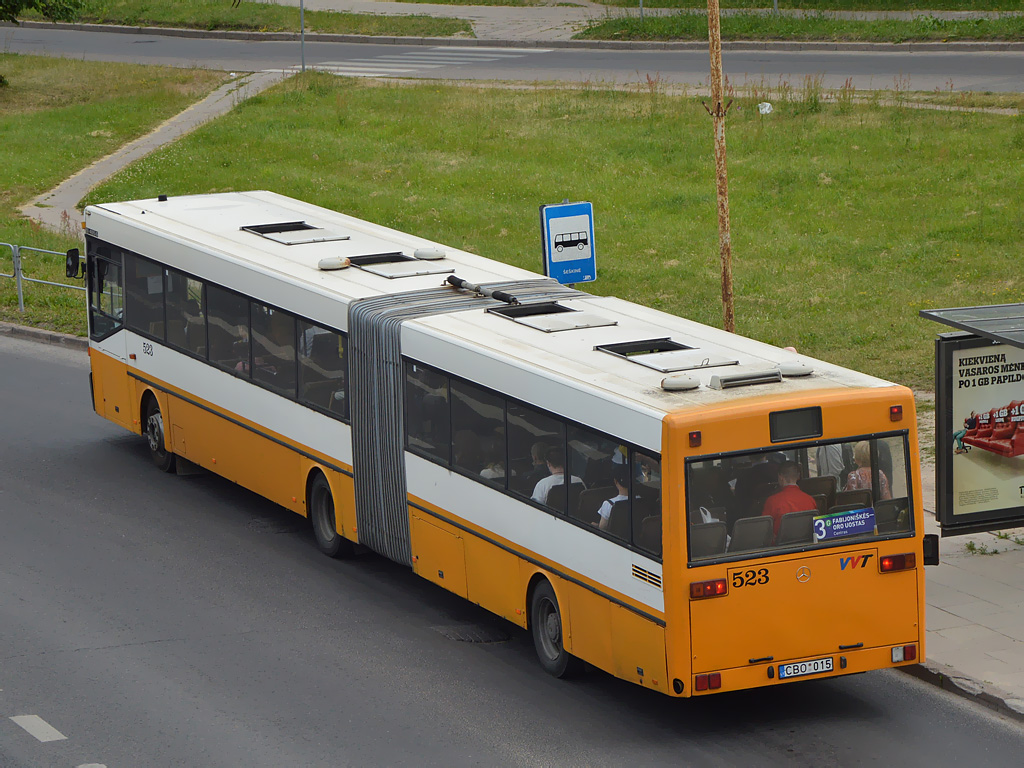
[[478, 432], [273, 349], [593, 458], [646, 498], [106, 297], [144, 296], [536, 444], [427, 413], [186, 320], [322, 369], [228, 320]]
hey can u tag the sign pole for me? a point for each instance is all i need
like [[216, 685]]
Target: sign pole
[[722, 183]]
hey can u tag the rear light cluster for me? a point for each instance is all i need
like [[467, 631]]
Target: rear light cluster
[[711, 682], [904, 562], [904, 653], [714, 588]]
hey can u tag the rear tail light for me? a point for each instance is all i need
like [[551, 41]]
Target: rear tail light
[[903, 562], [710, 682], [904, 653], [895, 413], [714, 588]]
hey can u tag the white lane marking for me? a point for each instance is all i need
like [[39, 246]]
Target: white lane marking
[[377, 68], [456, 55], [421, 59], [517, 51], [344, 73], [92, 765], [38, 727]]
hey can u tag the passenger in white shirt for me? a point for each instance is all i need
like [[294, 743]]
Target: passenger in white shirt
[[621, 481], [556, 466]]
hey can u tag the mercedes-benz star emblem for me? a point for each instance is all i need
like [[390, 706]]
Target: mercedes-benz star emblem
[[803, 574]]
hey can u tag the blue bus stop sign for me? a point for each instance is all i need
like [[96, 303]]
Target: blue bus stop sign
[[567, 231]]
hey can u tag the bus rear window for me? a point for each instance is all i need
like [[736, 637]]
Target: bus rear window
[[759, 503]]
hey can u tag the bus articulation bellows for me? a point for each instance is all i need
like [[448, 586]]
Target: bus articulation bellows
[[684, 508]]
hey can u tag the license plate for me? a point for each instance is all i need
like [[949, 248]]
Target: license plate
[[801, 668]]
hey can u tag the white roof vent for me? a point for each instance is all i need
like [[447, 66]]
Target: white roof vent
[[794, 369], [680, 382], [334, 262], [745, 379]]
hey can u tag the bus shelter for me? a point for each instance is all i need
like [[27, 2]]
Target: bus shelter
[[979, 418]]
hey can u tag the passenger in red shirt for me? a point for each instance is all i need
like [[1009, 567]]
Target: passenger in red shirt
[[789, 497]]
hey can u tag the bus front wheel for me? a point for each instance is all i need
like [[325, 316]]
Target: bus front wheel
[[154, 431], [321, 516], [546, 626]]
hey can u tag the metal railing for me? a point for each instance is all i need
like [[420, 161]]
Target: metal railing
[[20, 277]]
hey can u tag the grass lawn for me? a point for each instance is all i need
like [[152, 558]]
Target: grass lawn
[[56, 117], [846, 217], [261, 17], [750, 26]]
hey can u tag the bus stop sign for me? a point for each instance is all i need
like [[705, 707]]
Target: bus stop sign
[[567, 234]]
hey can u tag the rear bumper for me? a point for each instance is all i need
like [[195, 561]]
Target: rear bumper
[[843, 663]]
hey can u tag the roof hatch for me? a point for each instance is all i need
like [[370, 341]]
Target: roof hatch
[[665, 355], [551, 317], [294, 233], [397, 264]]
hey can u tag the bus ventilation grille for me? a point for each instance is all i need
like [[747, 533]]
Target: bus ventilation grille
[[644, 575]]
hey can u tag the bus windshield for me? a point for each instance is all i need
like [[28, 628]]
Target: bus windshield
[[759, 503]]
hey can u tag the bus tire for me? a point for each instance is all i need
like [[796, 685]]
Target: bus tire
[[321, 517], [153, 429], [546, 626]]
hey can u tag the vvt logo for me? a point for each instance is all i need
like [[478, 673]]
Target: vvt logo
[[854, 561]]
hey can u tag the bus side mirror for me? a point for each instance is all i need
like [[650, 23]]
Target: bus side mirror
[[73, 264], [931, 549]]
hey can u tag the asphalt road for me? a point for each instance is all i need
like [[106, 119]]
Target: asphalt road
[[958, 71], [155, 620]]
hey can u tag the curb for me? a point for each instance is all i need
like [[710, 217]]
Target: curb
[[455, 42], [986, 695], [43, 336]]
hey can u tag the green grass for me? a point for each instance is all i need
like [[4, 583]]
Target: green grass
[[838, 5], [748, 26], [261, 17], [56, 117], [847, 217]]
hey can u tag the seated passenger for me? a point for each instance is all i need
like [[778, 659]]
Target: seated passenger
[[860, 478], [556, 466], [621, 481], [538, 469], [789, 498], [494, 464]]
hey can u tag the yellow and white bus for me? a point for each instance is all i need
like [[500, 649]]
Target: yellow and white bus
[[679, 506]]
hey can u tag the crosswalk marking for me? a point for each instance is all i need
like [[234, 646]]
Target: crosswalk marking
[[416, 61], [38, 727]]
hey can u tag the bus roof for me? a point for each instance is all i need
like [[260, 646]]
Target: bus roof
[[269, 246]]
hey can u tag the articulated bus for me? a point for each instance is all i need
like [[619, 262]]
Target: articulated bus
[[682, 507]]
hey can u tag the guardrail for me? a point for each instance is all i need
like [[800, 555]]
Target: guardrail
[[20, 277]]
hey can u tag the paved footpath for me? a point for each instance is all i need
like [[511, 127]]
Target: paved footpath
[[975, 620]]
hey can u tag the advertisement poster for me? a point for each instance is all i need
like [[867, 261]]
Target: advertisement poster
[[981, 432]]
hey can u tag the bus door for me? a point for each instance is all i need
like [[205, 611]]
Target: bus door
[[798, 552], [106, 332]]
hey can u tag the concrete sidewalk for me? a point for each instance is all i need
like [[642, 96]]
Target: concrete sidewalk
[[975, 620]]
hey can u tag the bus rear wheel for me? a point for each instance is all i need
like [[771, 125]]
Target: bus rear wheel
[[321, 517], [546, 626], [153, 427]]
